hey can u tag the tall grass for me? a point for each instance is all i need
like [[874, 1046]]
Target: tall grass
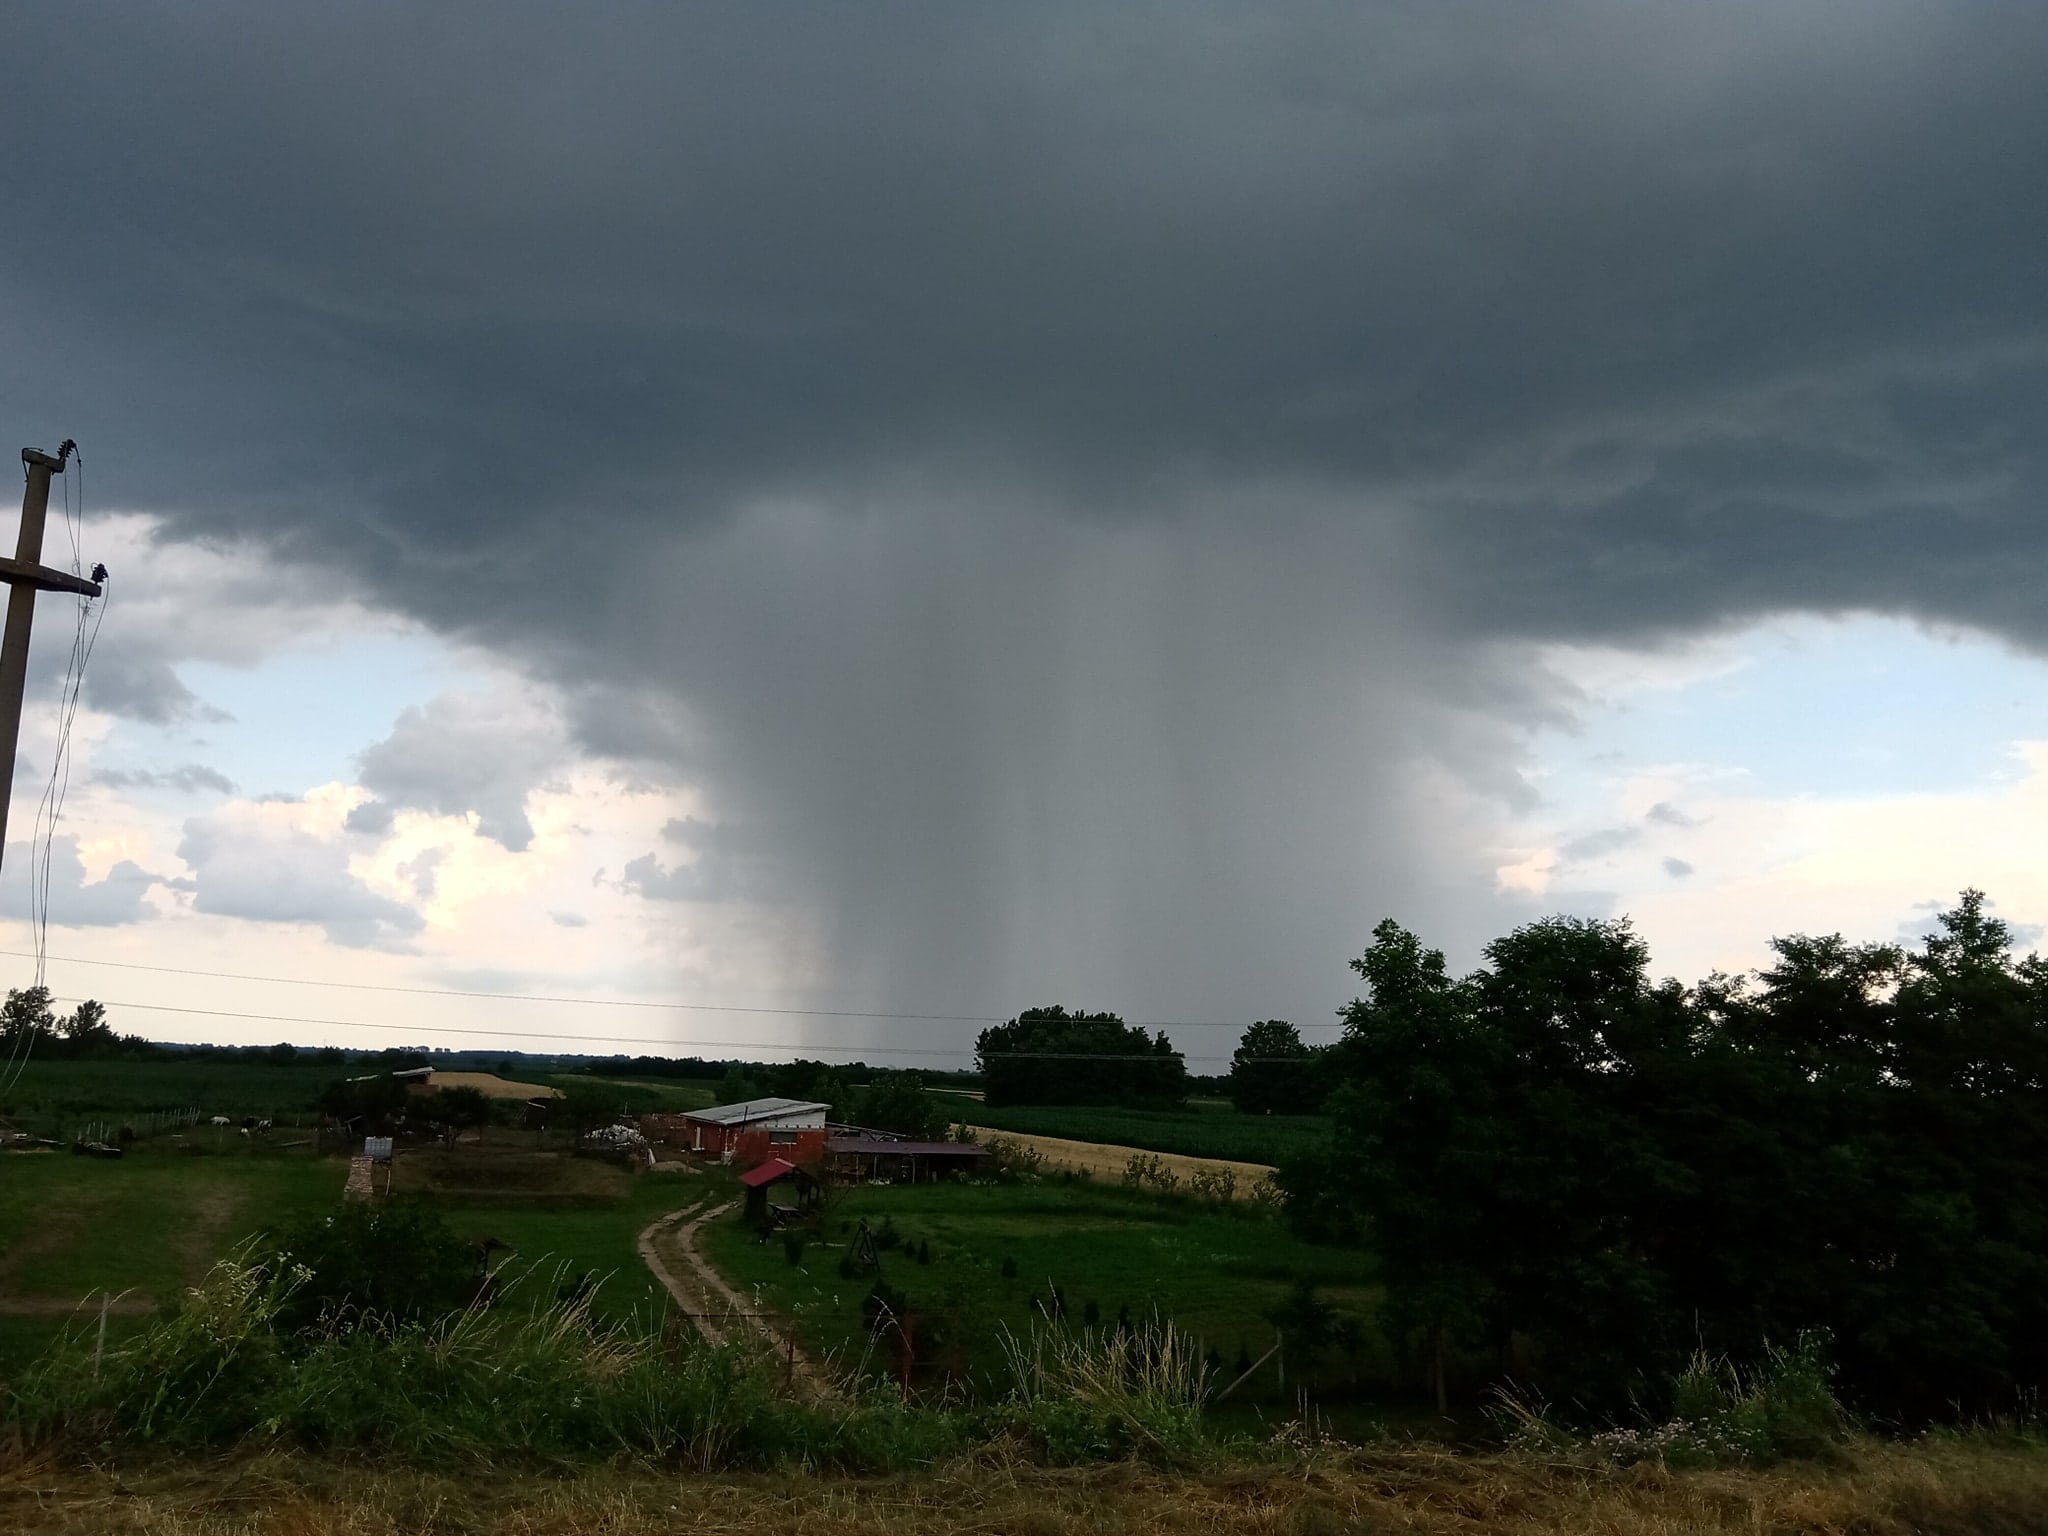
[[1088, 1393], [548, 1384]]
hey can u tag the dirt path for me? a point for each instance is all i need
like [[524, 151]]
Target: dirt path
[[715, 1307], [1102, 1159]]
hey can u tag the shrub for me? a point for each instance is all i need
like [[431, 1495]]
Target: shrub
[[393, 1258], [1215, 1184], [1147, 1170]]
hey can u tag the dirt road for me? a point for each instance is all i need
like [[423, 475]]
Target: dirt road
[[668, 1244]]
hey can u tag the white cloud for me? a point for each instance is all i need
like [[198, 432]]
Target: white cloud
[[470, 753], [286, 862]]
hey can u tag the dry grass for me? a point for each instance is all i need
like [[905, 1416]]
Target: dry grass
[[1967, 1488], [1102, 1160], [491, 1086]]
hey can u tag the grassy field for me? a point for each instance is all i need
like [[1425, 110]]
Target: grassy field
[[147, 1225], [1204, 1128], [152, 1223], [1215, 1272]]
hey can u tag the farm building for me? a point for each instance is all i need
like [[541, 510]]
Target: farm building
[[868, 1159], [748, 1132], [776, 1171]]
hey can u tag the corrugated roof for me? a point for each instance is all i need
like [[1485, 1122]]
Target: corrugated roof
[[752, 1109], [767, 1173], [864, 1145]]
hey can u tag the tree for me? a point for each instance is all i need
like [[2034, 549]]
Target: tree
[[737, 1087], [584, 1107], [366, 1102], [1273, 1072], [1414, 1155], [1558, 1159], [460, 1109], [1051, 1056], [87, 1032], [896, 1102], [27, 1017]]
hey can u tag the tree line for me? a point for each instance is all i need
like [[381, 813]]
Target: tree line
[[1573, 1176]]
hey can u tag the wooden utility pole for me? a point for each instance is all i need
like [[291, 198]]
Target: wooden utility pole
[[26, 575]]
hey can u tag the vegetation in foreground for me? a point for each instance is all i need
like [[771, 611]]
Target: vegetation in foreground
[[1974, 1486], [1578, 1176]]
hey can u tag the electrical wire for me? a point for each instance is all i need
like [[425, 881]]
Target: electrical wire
[[90, 615], [613, 1002], [723, 1045]]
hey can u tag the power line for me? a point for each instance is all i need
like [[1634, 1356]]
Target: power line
[[613, 1002], [723, 1045]]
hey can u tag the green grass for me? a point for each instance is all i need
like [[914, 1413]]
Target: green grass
[[598, 1239], [152, 1222], [1204, 1128], [1213, 1272], [149, 1224]]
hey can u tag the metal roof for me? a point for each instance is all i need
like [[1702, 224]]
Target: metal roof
[[767, 1173], [752, 1109]]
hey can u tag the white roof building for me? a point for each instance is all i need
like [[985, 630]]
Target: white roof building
[[784, 1112]]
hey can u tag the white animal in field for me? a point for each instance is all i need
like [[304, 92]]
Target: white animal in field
[[218, 1120]]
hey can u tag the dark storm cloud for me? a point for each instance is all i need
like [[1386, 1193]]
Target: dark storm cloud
[[1069, 481]]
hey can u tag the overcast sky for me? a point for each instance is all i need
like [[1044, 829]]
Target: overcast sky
[[939, 509]]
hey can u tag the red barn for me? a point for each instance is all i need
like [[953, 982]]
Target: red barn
[[747, 1133]]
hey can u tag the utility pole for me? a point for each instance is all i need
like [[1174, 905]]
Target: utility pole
[[26, 575]]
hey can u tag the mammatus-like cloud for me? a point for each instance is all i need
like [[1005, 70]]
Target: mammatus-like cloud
[[1078, 487]]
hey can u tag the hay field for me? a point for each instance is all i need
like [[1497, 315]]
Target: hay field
[[1101, 1160], [492, 1086]]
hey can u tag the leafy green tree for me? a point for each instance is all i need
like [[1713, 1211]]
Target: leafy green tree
[[1558, 1161], [896, 1102], [1415, 1151], [1051, 1056], [1273, 1072], [27, 1017], [460, 1109], [87, 1029], [737, 1087], [366, 1103], [585, 1107]]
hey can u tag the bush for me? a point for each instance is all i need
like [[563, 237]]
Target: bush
[[393, 1258]]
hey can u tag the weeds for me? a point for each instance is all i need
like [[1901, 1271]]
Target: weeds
[[1784, 1408], [1091, 1394]]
